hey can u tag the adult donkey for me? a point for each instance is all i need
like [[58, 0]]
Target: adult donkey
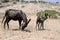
[[12, 14]]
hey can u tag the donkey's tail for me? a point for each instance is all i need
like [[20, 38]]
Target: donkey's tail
[[3, 19]]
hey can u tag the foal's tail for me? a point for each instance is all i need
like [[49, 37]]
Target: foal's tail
[[3, 19]]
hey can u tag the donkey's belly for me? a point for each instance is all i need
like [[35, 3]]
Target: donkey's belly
[[15, 18]]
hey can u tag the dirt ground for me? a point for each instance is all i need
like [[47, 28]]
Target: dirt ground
[[52, 26]]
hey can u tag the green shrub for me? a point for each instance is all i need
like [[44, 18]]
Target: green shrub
[[40, 13], [51, 13], [14, 1], [42, 2]]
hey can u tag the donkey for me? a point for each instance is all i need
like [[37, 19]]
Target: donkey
[[19, 15], [40, 20]]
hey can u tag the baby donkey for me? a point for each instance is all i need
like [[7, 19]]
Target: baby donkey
[[40, 20]]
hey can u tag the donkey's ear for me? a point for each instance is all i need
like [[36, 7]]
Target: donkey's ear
[[28, 21]]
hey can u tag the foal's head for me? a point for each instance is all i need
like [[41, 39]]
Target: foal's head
[[46, 15]]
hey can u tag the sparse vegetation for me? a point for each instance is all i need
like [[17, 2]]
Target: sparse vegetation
[[42, 1], [51, 13], [14, 1]]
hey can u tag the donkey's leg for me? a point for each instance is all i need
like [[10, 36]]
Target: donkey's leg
[[20, 24], [8, 23], [5, 23]]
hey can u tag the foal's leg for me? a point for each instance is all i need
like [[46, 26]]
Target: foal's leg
[[38, 26], [8, 23], [42, 25]]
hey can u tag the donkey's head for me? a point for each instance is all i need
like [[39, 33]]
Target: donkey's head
[[26, 24]]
